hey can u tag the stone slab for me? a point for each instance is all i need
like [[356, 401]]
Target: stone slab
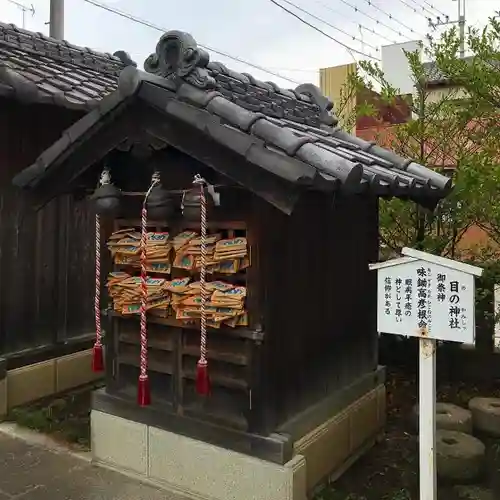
[[3, 397], [119, 442], [300, 425], [382, 405], [75, 370], [325, 448], [277, 448], [198, 469], [192, 468], [364, 420], [30, 383], [336, 443]]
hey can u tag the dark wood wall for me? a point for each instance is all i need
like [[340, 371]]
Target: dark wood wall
[[318, 298], [46, 258]]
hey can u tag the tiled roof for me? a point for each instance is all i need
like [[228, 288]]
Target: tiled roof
[[434, 75], [272, 132], [37, 68], [268, 98]]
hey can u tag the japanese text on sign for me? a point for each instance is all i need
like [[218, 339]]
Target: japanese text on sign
[[422, 298]]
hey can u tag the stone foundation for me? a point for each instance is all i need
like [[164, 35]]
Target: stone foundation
[[334, 445], [200, 470], [38, 380]]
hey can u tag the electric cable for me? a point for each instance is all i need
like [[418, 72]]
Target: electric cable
[[357, 9], [149, 24], [417, 9], [301, 9], [307, 23], [390, 16]]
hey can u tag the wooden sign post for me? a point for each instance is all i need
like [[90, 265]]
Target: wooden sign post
[[431, 298]]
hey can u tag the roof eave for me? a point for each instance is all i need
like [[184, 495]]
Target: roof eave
[[49, 161]]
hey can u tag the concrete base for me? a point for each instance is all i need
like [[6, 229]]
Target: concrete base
[[192, 468], [29, 383], [3, 397], [335, 445], [200, 470]]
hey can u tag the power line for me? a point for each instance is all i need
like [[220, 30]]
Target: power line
[[149, 24], [307, 23], [356, 9], [327, 23], [299, 70], [434, 8], [390, 16], [373, 32], [359, 25], [414, 9]]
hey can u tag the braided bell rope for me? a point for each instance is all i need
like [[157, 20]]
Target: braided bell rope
[[199, 181], [97, 300], [144, 287], [104, 179]]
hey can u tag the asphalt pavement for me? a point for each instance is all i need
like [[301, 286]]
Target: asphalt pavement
[[31, 471]]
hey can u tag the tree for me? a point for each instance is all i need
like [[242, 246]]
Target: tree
[[457, 133], [479, 76]]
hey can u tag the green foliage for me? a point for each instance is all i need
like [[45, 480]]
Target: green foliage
[[343, 107], [486, 316], [457, 131]]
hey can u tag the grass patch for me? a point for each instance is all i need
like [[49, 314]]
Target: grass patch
[[65, 417]]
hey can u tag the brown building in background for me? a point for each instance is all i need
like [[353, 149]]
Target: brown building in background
[[381, 126]]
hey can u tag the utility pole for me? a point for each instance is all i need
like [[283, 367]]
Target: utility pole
[[56, 23], [24, 9], [438, 21]]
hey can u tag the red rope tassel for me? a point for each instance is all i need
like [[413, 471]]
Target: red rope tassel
[[143, 392], [97, 358], [97, 354], [202, 379]]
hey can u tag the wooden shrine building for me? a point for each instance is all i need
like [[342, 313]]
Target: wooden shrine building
[[294, 372]]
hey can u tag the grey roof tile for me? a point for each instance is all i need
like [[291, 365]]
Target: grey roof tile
[[280, 137], [288, 134], [433, 74], [64, 74], [348, 172]]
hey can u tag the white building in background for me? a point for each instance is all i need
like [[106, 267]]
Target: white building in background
[[396, 67]]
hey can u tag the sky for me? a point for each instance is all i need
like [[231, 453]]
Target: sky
[[256, 31]]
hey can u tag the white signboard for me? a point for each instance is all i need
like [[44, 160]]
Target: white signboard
[[497, 312], [432, 298], [424, 295]]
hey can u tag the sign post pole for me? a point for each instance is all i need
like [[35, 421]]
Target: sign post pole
[[427, 419], [431, 298]]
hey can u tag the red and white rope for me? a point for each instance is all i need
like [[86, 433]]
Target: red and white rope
[[198, 180], [144, 286], [97, 301], [97, 357]]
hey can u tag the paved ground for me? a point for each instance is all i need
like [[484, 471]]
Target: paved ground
[[29, 472]]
